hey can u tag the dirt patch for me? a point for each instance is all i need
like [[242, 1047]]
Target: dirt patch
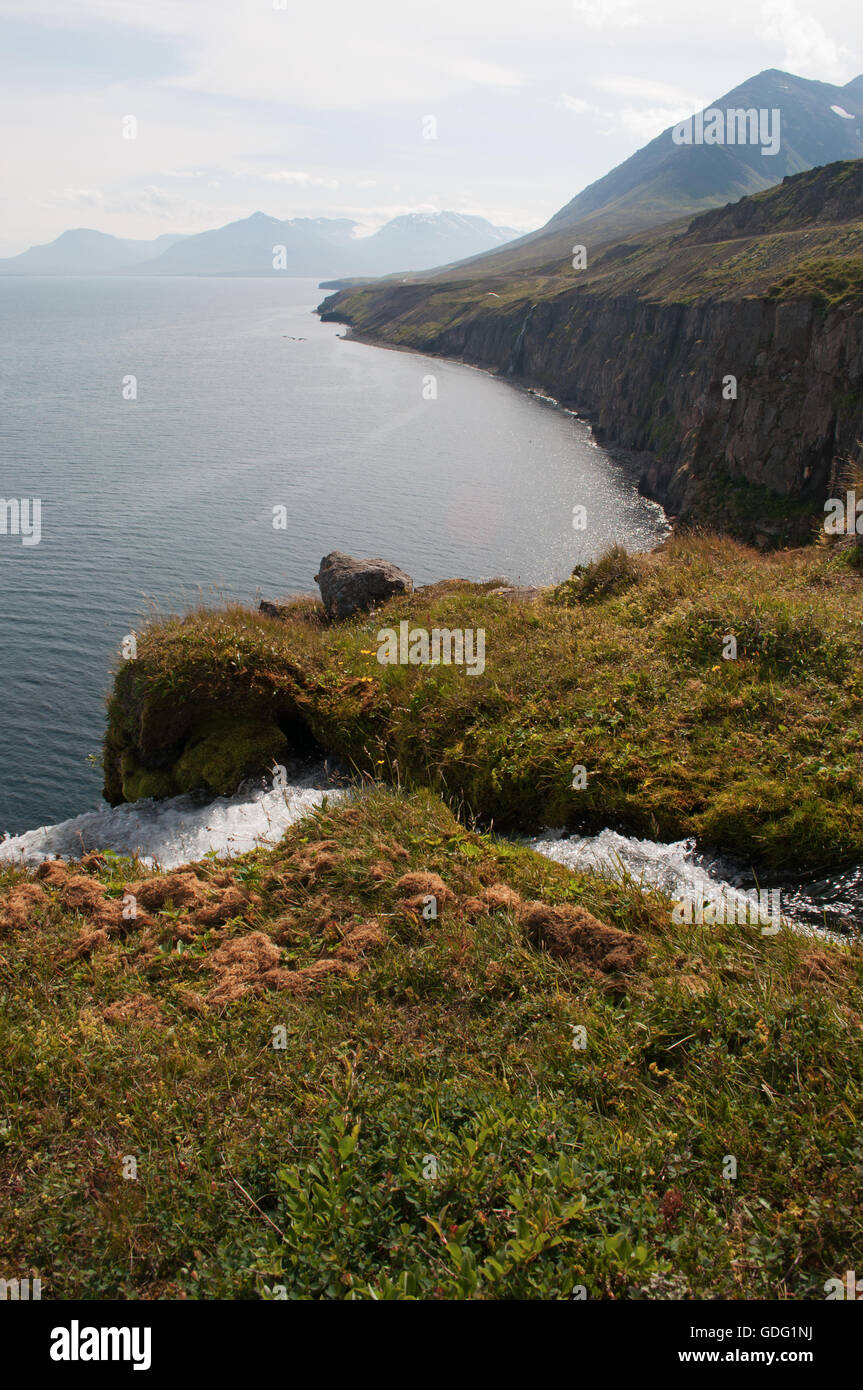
[[231, 903], [360, 940], [395, 851], [693, 984], [183, 889], [139, 1008], [572, 933], [817, 967], [87, 943], [21, 905], [413, 889], [251, 964], [86, 896], [54, 872], [245, 963], [381, 871], [495, 898]]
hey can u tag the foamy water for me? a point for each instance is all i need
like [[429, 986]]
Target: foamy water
[[678, 869], [672, 868], [182, 829]]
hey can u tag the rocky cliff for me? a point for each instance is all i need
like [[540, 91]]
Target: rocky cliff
[[733, 363]]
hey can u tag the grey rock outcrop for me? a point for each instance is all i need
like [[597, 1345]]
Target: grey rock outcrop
[[350, 586]]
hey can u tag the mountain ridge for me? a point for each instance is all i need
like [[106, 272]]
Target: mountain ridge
[[86, 247], [663, 181], [317, 246], [642, 341]]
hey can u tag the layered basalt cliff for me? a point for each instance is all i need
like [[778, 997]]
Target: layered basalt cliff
[[735, 367]]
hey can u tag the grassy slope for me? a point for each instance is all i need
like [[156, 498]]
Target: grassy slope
[[621, 670], [304, 1167], [792, 253], [823, 263]]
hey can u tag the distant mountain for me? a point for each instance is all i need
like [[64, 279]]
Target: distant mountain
[[818, 124], [312, 246], [85, 252], [324, 246], [642, 338], [421, 239], [262, 245]]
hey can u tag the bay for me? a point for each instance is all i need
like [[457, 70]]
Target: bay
[[244, 403]]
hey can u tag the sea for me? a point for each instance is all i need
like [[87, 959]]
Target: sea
[[178, 441]]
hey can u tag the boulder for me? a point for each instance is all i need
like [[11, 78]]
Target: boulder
[[272, 610], [294, 606], [350, 586]]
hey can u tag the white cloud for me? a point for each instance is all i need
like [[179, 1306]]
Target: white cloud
[[808, 49], [577, 105], [646, 122], [607, 14], [648, 90], [149, 202], [316, 110], [299, 178], [489, 74], [656, 106], [84, 197]]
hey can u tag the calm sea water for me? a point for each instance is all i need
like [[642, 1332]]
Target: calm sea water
[[245, 402]]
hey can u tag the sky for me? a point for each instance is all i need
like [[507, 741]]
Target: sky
[[323, 108]]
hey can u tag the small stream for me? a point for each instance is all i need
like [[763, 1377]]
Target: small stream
[[182, 829]]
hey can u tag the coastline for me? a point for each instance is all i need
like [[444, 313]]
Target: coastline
[[631, 460]]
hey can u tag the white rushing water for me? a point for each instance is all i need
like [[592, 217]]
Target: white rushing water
[[178, 830], [671, 868], [831, 906], [183, 829]]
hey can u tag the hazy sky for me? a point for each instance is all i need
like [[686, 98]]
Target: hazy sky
[[317, 108]]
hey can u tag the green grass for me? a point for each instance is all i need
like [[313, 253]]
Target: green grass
[[620, 669], [830, 280], [310, 1167]]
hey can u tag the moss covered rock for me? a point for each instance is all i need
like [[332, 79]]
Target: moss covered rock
[[223, 752], [139, 782]]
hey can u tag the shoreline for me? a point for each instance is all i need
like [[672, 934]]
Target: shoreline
[[628, 459]]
